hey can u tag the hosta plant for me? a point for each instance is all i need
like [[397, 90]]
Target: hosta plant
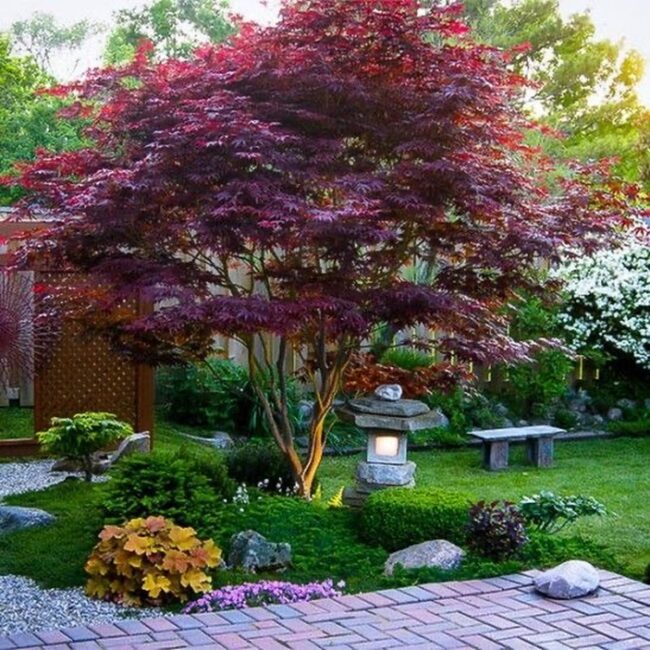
[[496, 529], [549, 512], [80, 436], [150, 561], [266, 592]]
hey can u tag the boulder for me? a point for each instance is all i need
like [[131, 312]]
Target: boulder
[[438, 554], [218, 440], [14, 518], [253, 552], [615, 414], [136, 443], [389, 392], [572, 579]]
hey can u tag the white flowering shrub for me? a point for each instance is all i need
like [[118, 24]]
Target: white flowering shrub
[[608, 303]]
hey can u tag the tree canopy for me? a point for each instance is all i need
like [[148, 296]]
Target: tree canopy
[[279, 184], [174, 27]]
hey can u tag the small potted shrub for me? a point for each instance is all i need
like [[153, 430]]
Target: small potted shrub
[[79, 437]]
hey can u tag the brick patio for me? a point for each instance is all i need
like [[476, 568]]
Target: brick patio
[[481, 614]]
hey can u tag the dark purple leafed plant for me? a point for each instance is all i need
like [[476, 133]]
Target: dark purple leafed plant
[[496, 530], [256, 594]]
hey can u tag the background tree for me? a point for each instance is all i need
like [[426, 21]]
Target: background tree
[[28, 119], [175, 27], [43, 38], [274, 189], [586, 87]]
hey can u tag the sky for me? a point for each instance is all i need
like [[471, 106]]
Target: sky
[[614, 19]]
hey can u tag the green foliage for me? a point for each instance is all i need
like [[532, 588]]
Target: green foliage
[[218, 394], [187, 486], [396, 518], [174, 27], [587, 88], [548, 512], [150, 561], [407, 358], [453, 406], [28, 120], [41, 37], [565, 419], [80, 436], [533, 388], [262, 465], [437, 437], [633, 429], [209, 394]]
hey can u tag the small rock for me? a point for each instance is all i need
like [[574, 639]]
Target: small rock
[[389, 392], [626, 404], [572, 579], [522, 423], [646, 403], [615, 414], [253, 552], [13, 518], [507, 424], [438, 554], [598, 420]]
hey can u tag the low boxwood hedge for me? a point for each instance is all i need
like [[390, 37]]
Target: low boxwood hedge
[[398, 517]]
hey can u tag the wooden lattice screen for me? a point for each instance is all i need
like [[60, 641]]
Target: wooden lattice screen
[[85, 374]]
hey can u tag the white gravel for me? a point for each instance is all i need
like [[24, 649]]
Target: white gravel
[[24, 606], [16, 478]]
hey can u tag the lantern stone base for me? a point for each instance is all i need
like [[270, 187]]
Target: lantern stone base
[[378, 476]]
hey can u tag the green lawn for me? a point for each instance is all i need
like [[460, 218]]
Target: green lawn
[[16, 422], [615, 471]]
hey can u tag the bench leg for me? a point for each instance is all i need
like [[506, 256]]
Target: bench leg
[[495, 455], [540, 451]]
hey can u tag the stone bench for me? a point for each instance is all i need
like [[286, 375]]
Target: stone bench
[[496, 445]]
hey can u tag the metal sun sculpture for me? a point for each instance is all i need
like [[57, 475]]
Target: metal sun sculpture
[[24, 336]]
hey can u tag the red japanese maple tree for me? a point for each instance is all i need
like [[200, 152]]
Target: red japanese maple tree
[[281, 183]]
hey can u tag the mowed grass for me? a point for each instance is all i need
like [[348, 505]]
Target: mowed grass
[[16, 422], [614, 471]]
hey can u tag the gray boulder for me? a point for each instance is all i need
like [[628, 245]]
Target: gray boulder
[[572, 579], [14, 518], [253, 552], [439, 554], [136, 443], [615, 414]]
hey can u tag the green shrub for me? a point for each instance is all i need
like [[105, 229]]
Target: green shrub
[[399, 517], [80, 436], [262, 465], [208, 394], [496, 529], [407, 358], [632, 429], [453, 406], [187, 487], [549, 513], [565, 419]]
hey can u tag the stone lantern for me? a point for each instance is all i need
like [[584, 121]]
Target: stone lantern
[[387, 420]]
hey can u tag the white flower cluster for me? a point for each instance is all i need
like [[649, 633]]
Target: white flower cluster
[[608, 302]]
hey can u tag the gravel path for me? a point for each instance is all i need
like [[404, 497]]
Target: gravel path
[[24, 606]]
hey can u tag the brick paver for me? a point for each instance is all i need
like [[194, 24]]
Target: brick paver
[[477, 615]]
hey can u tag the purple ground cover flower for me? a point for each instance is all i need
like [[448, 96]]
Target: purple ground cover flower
[[265, 592]]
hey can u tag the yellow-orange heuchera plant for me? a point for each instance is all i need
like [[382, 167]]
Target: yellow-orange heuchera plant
[[150, 561]]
